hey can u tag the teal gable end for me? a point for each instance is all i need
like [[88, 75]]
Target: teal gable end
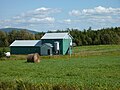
[[66, 46]]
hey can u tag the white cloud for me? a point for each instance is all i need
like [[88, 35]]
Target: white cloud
[[101, 10], [99, 16], [49, 19], [7, 27], [38, 15], [34, 20], [41, 12], [75, 13], [16, 17], [67, 21], [46, 20], [47, 10], [42, 9], [34, 17], [96, 10]]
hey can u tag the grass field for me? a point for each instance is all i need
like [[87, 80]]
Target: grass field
[[89, 68]]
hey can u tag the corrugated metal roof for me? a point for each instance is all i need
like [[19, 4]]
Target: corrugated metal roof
[[56, 36], [26, 43], [48, 44]]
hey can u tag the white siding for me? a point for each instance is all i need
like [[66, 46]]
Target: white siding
[[44, 49]]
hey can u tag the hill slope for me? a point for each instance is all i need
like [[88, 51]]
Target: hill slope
[[10, 29]]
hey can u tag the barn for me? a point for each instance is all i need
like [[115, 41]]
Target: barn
[[25, 46], [61, 43], [50, 44]]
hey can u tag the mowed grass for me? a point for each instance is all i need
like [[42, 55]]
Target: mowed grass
[[89, 68]]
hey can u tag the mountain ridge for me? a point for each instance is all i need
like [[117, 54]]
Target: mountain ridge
[[7, 30]]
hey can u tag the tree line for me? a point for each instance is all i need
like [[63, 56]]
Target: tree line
[[7, 38], [85, 37], [96, 37]]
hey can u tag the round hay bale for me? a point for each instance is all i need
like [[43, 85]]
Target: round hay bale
[[36, 57], [33, 58], [30, 58]]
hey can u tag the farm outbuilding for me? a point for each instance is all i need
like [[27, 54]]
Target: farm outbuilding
[[61, 42], [25, 46], [50, 44], [46, 49]]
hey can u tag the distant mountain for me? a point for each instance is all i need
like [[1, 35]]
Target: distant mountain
[[18, 29]]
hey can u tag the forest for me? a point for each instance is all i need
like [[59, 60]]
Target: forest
[[84, 37]]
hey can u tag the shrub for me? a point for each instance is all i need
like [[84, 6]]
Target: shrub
[[2, 52]]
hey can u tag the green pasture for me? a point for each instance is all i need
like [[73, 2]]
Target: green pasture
[[88, 68]]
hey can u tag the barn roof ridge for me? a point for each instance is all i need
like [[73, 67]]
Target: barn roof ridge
[[63, 35], [26, 43]]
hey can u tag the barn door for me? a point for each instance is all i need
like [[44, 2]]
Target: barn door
[[48, 51]]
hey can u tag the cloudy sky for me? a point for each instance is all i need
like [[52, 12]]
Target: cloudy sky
[[44, 15]]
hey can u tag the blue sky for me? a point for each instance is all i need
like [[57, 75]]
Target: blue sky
[[44, 15]]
